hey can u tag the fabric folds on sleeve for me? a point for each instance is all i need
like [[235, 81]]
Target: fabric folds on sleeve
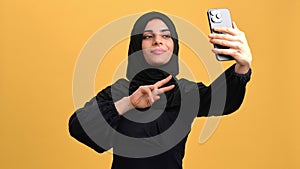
[[225, 95], [94, 125]]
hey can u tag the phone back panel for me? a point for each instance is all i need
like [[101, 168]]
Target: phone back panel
[[219, 18]]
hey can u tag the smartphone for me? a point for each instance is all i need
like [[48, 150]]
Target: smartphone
[[219, 17]]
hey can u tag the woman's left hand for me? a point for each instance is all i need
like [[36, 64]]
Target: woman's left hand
[[237, 43]]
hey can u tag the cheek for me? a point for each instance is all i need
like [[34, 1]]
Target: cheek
[[145, 44], [170, 45]]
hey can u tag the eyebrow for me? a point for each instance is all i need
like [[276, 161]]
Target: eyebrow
[[163, 30]]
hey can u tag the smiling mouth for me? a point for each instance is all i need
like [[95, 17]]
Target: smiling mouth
[[158, 51]]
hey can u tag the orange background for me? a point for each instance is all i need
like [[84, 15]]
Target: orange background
[[41, 40]]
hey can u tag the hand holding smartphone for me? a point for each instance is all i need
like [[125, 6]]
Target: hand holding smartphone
[[219, 17]]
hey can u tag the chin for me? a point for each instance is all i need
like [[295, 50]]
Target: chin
[[157, 60], [157, 63]]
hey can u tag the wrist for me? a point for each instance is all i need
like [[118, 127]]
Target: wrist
[[124, 105], [241, 69], [129, 105]]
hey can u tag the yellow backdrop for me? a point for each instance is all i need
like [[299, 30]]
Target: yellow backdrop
[[41, 40]]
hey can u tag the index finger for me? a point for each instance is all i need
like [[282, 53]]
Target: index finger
[[162, 82], [165, 89]]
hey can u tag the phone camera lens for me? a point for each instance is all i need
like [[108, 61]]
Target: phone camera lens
[[216, 16]]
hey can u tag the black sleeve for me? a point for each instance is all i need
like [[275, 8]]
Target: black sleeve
[[94, 124], [225, 95]]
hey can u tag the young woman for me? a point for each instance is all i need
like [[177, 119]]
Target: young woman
[[147, 117]]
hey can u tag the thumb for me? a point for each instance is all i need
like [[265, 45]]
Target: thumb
[[235, 26]]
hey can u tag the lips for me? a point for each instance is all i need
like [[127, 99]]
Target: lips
[[158, 51]]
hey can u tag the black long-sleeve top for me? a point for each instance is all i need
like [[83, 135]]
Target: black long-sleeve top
[[99, 126]]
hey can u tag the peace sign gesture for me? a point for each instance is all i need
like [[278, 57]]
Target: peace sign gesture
[[145, 96]]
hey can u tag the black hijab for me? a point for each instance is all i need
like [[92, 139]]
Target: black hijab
[[136, 61]]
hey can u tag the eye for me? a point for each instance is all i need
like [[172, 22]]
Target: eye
[[166, 36], [147, 36]]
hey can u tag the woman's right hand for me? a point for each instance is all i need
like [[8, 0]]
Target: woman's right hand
[[145, 96]]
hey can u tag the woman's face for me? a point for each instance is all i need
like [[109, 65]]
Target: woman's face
[[157, 44]]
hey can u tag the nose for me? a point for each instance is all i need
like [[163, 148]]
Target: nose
[[157, 40]]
